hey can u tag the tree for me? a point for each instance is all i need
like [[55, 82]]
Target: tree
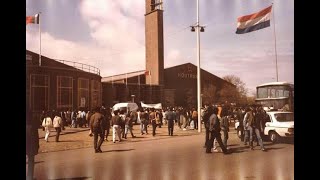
[[228, 93], [190, 98], [240, 93], [208, 94]]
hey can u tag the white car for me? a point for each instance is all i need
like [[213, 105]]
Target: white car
[[279, 124]]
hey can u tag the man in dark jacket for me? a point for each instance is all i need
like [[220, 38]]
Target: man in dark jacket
[[214, 128], [97, 126], [32, 142], [206, 114], [170, 116]]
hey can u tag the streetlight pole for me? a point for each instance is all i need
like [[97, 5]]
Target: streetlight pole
[[199, 28]]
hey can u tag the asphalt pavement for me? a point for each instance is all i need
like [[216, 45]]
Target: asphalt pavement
[[76, 138]]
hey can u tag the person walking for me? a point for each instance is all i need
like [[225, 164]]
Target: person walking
[[47, 124], [208, 111], [97, 128], [152, 118], [224, 125], [214, 128], [195, 118], [57, 124], [115, 122], [129, 125], [257, 126], [141, 117], [107, 117], [32, 142], [170, 118], [247, 124]]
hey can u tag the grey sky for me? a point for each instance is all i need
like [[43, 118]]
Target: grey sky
[[110, 35]]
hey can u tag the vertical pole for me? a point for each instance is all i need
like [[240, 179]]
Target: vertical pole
[[150, 87], [139, 87], [126, 80], [275, 44], [198, 70], [39, 39], [112, 81]]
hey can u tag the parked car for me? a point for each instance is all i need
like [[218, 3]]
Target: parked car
[[279, 125]]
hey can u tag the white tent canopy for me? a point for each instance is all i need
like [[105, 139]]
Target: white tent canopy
[[155, 106]]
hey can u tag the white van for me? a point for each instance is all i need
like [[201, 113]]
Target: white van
[[129, 106]]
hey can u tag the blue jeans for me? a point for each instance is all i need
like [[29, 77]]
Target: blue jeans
[[141, 127], [225, 137], [259, 137], [248, 133]]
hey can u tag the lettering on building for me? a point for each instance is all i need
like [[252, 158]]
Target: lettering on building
[[187, 72], [187, 75]]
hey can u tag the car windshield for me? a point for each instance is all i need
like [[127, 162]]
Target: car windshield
[[284, 117]]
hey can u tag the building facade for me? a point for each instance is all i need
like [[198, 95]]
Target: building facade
[[179, 89], [60, 85]]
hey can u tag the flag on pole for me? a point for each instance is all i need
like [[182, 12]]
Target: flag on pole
[[147, 73], [32, 19], [254, 21]]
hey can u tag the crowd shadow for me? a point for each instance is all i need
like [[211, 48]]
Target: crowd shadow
[[246, 148], [73, 178], [69, 141], [118, 150], [273, 148], [238, 149]]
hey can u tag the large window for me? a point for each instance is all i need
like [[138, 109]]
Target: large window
[[83, 92], [64, 92], [95, 93], [262, 92], [39, 92], [277, 95], [272, 92]]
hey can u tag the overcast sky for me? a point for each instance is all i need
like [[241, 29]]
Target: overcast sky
[[110, 35]]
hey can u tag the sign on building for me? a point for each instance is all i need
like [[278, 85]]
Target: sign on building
[[83, 102]]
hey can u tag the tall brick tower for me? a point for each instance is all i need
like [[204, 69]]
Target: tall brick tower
[[154, 42]]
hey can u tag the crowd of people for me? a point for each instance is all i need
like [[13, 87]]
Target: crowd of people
[[216, 120]]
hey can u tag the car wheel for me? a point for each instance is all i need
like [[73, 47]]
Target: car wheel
[[238, 133], [274, 137]]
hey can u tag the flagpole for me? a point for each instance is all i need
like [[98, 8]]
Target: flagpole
[[112, 81], [198, 70], [150, 87], [39, 40], [275, 43], [126, 80], [139, 86], [150, 76]]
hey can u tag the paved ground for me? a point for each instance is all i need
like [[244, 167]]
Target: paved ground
[[76, 138], [177, 157]]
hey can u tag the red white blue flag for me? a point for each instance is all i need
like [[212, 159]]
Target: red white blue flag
[[32, 19], [254, 21]]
